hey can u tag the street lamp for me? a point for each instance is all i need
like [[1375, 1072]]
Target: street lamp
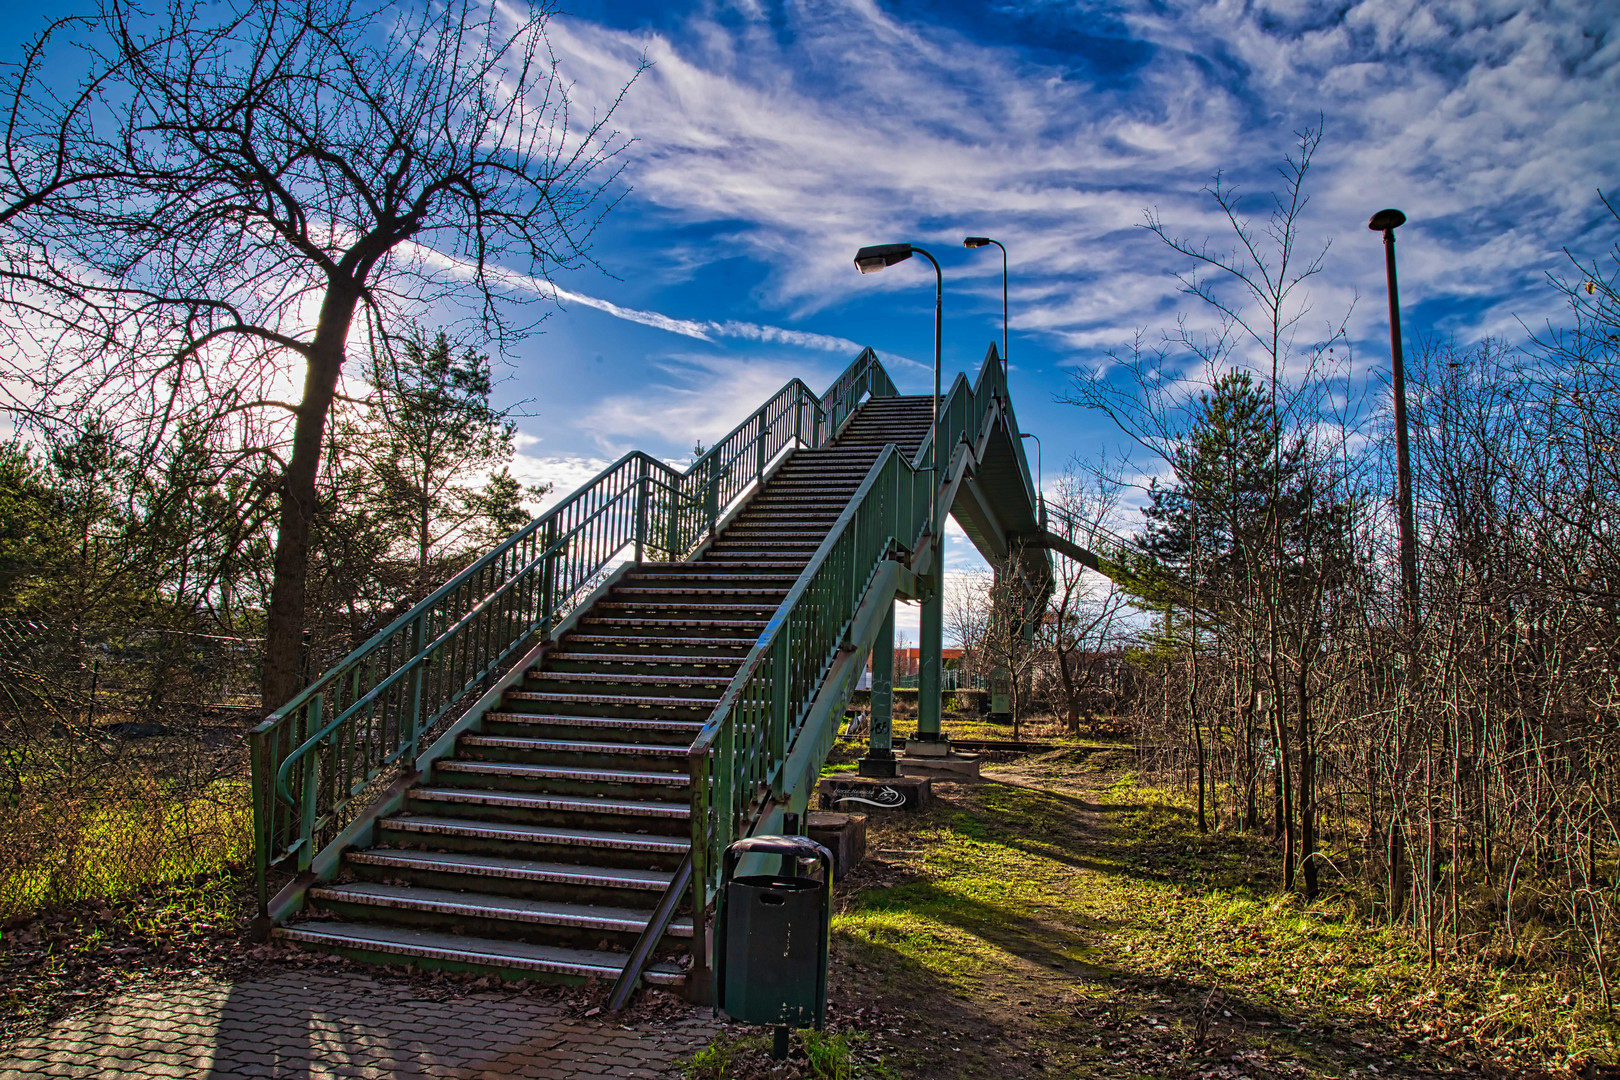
[[1387, 221], [869, 260], [979, 242]]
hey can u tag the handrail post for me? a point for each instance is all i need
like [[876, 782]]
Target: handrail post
[[641, 509], [548, 580], [711, 496], [307, 807], [781, 683], [264, 805], [702, 809], [675, 506], [418, 680]]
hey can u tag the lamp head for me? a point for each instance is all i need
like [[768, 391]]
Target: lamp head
[[869, 260], [1385, 220], [975, 241]]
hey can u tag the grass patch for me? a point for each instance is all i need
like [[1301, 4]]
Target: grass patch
[[1066, 917], [112, 843]]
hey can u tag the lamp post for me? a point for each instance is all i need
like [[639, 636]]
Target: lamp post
[[1387, 221], [869, 260], [931, 623], [979, 242]]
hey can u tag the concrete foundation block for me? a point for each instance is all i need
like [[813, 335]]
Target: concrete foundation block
[[842, 834], [848, 793]]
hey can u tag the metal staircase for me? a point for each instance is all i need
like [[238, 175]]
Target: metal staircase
[[602, 725]]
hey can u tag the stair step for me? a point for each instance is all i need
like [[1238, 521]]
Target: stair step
[[612, 699], [479, 952], [629, 658], [574, 804], [483, 906], [426, 824], [571, 746], [763, 566], [558, 772], [492, 866], [673, 620], [699, 590], [680, 606], [624, 678], [650, 639], [607, 723]]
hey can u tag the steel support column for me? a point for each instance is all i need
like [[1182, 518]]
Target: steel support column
[[879, 759], [932, 639]]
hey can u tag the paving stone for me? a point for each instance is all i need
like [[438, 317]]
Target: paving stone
[[342, 1027]]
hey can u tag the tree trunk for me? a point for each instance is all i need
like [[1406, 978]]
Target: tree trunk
[[284, 625]]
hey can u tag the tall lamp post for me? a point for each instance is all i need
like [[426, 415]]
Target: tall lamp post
[[1387, 221], [869, 260], [979, 242], [930, 626]]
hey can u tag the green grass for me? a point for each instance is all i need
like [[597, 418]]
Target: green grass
[[1034, 894], [127, 841]]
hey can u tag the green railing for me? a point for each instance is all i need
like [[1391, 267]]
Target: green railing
[[318, 759], [738, 760], [950, 680]]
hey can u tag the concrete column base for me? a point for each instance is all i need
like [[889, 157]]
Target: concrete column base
[[865, 794], [952, 766], [922, 746], [879, 764]]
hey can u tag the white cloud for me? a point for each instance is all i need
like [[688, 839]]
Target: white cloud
[[1491, 123]]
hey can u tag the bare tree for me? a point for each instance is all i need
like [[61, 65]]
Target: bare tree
[[202, 222]]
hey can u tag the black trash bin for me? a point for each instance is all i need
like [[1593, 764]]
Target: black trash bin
[[773, 932]]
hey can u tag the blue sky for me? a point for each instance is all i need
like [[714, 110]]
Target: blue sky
[[771, 139]]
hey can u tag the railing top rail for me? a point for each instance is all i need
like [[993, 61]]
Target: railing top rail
[[1078, 527], [433, 598], [794, 386]]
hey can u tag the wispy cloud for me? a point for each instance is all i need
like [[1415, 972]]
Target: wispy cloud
[[839, 123]]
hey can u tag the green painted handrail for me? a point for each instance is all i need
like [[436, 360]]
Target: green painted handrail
[[317, 758], [736, 763]]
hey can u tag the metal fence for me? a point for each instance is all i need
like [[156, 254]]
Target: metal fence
[[122, 760]]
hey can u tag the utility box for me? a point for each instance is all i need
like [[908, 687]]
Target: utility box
[[773, 932]]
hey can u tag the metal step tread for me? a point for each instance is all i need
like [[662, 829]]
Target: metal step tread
[[575, 804], [651, 589], [539, 834], [672, 620], [710, 660], [698, 569], [628, 678], [573, 746], [682, 606], [457, 948], [487, 906], [562, 772], [606, 723], [613, 699], [645, 639], [456, 862]]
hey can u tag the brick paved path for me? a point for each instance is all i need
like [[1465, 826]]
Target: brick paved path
[[308, 1024]]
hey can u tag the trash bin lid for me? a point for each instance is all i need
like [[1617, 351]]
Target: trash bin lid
[[798, 846]]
